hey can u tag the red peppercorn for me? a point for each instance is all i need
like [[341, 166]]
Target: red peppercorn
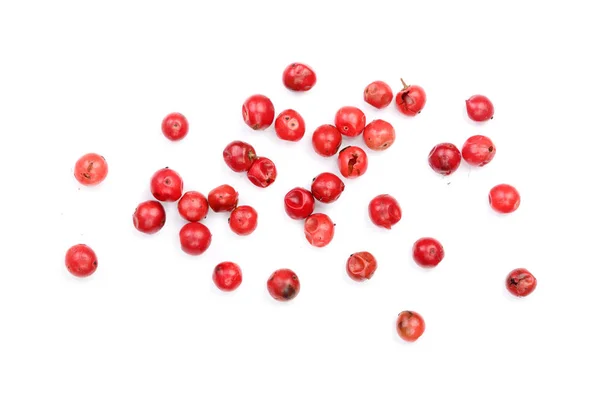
[[193, 206], [350, 121], [262, 173], [227, 276], [480, 108], [299, 203], [258, 112], [327, 187], [175, 126], [326, 140], [166, 185], [289, 126], [195, 238], [520, 282], [283, 285], [81, 261], [504, 198], [411, 100], [239, 156], [319, 230], [299, 77], [243, 220], [361, 266], [91, 169], [478, 151], [410, 325], [384, 211], [379, 135], [352, 162], [444, 158], [428, 252], [149, 217], [378, 94], [223, 198]]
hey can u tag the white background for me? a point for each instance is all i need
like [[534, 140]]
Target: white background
[[77, 77]]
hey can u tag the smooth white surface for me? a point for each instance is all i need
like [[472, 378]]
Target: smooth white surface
[[77, 77]]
